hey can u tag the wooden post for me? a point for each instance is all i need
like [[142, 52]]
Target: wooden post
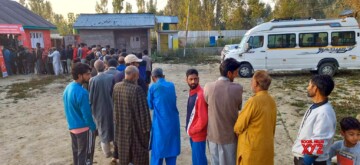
[[187, 24]]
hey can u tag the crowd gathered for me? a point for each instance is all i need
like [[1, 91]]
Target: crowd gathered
[[113, 99], [55, 61], [112, 95]]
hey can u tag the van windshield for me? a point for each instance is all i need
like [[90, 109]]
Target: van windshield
[[243, 42]]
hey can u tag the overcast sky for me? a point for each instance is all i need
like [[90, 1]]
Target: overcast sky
[[88, 6]]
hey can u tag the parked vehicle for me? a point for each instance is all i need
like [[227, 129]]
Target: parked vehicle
[[324, 46], [228, 48]]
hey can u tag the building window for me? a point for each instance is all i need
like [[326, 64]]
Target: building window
[[343, 38], [313, 39], [135, 42], [282, 41], [36, 37]]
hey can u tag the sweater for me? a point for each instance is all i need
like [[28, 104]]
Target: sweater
[[339, 146], [224, 99], [77, 107]]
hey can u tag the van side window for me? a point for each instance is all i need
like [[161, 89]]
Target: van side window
[[282, 41], [256, 42], [313, 39], [343, 38]]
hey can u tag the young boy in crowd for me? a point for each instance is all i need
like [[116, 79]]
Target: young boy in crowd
[[347, 150]]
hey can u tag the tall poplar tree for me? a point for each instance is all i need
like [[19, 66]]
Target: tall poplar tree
[[287, 9], [117, 6], [151, 6], [141, 6], [101, 7], [128, 8]]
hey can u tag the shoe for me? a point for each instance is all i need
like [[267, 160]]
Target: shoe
[[114, 160]]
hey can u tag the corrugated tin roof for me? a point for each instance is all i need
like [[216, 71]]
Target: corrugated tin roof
[[115, 21], [12, 12], [167, 19]]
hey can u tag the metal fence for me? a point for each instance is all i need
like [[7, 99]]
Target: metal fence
[[201, 39]]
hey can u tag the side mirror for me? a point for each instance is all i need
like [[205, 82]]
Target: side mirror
[[236, 47]]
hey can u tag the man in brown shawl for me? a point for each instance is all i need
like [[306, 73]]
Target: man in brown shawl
[[132, 120]]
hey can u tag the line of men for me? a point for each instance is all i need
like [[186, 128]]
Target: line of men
[[21, 60], [234, 137]]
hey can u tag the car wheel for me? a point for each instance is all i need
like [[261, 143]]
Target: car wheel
[[327, 69], [245, 70]]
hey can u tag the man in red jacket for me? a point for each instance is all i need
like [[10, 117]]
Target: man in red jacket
[[196, 118], [84, 50], [75, 50]]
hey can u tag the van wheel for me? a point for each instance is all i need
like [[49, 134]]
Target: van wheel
[[245, 70], [327, 69]]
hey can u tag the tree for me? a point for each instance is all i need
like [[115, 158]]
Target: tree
[[208, 13], [70, 22], [151, 6], [101, 7], [350, 4], [334, 8], [312, 9], [117, 6], [23, 2], [218, 12], [195, 19], [268, 12], [48, 11], [128, 8], [41, 8], [255, 13], [287, 9], [172, 7], [237, 18], [141, 6], [44, 9]]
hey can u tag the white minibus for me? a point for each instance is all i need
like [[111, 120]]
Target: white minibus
[[324, 46]]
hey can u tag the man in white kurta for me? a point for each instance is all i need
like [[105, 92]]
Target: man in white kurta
[[56, 61]]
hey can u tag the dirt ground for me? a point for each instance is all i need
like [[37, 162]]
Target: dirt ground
[[34, 130]]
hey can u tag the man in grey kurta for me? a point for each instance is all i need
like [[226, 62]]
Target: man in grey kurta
[[102, 105]]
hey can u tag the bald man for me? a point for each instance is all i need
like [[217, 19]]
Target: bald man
[[132, 120], [101, 102]]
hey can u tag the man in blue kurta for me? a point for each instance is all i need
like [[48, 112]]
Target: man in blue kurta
[[165, 136]]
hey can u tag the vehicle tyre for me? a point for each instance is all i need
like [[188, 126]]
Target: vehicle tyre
[[245, 70], [327, 69]]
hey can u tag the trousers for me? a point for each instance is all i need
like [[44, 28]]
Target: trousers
[[83, 147]]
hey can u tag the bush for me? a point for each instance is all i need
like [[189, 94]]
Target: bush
[[177, 56]]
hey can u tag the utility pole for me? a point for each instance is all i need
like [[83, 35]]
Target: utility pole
[[187, 24]]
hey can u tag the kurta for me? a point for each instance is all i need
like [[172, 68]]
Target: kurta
[[165, 136], [132, 123], [255, 128], [100, 88], [56, 62]]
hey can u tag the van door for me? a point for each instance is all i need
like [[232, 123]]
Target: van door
[[279, 52], [256, 54]]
